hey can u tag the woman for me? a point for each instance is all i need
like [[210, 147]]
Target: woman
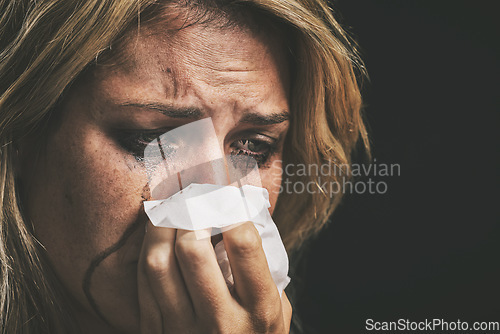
[[85, 84]]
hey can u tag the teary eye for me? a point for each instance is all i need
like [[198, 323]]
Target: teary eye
[[258, 149], [135, 141]]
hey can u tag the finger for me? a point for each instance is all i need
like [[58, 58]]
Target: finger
[[159, 265], [202, 275], [150, 315], [287, 311], [252, 279]]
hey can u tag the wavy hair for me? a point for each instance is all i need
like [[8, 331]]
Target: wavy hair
[[46, 44]]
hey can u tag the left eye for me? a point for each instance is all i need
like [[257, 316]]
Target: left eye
[[258, 149], [252, 146]]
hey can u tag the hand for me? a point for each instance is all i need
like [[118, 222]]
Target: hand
[[182, 290]]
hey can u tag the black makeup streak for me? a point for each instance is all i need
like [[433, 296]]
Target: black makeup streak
[[87, 280], [146, 193]]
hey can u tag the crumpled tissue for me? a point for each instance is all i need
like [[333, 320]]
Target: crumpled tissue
[[204, 206]]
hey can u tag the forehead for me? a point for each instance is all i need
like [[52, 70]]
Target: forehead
[[168, 59], [213, 48], [174, 32]]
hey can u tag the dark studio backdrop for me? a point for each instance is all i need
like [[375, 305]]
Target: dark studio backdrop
[[429, 247]]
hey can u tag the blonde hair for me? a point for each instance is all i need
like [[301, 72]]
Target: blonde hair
[[46, 45]]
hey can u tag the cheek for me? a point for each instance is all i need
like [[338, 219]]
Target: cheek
[[86, 194], [102, 187], [108, 183]]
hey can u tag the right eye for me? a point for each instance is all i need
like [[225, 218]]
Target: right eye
[[135, 141]]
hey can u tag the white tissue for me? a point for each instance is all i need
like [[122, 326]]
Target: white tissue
[[204, 206]]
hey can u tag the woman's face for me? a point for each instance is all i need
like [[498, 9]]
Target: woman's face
[[84, 194]]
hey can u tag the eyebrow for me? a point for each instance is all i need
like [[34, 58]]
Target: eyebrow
[[167, 110], [196, 113], [259, 119]]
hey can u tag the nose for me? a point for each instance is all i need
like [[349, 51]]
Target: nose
[[192, 153]]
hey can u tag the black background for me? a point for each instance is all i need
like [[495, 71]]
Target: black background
[[429, 247]]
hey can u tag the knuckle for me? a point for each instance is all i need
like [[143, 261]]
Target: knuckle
[[190, 251], [266, 318], [156, 264], [246, 240]]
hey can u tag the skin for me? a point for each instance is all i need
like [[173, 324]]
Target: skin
[[84, 193]]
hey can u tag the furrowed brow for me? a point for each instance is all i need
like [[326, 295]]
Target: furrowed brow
[[168, 110], [260, 119]]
